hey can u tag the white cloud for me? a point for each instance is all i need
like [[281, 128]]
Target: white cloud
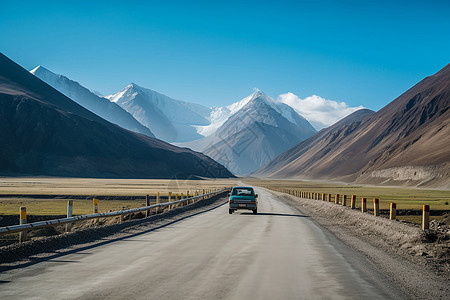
[[318, 111]]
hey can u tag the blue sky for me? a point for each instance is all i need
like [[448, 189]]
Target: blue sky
[[214, 53]]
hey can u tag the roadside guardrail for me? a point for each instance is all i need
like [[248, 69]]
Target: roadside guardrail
[[24, 227], [376, 203]]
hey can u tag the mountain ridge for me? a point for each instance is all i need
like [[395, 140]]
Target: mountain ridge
[[411, 132], [255, 132], [43, 132], [83, 96], [169, 119]]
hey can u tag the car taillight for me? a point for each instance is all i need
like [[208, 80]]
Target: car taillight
[[231, 201], [253, 202]]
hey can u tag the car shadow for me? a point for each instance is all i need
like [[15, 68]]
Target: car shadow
[[274, 214]]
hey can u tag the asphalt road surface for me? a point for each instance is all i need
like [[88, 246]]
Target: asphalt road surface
[[277, 254]]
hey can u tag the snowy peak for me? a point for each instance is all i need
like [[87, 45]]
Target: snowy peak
[[259, 100], [47, 75], [170, 119], [39, 69], [127, 93], [260, 108], [235, 107], [256, 130], [83, 96], [255, 101]]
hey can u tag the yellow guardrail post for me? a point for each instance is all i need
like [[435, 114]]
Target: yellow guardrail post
[[336, 199], [329, 197], [23, 220], [393, 211], [426, 217], [353, 202], [363, 204], [344, 200], [95, 205], [376, 207]]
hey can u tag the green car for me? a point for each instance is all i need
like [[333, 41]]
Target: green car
[[243, 198]]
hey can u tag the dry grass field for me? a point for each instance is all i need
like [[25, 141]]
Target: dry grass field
[[48, 195], [405, 198]]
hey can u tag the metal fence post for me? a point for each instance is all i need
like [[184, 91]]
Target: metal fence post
[[376, 207], [69, 214], [23, 220], [353, 202], [95, 205], [393, 211]]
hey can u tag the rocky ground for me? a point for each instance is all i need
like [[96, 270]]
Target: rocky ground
[[414, 259]]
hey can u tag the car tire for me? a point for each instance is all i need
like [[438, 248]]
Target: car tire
[[230, 211], [255, 211]]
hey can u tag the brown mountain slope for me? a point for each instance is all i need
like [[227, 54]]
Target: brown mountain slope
[[42, 132], [406, 141], [314, 148]]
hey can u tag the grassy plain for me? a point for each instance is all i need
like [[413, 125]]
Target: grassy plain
[[21, 191], [406, 198]]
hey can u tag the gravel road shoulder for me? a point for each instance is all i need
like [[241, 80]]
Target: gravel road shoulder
[[418, 262]]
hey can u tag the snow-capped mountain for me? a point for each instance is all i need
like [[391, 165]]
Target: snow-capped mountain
[[44, 133], [98, 105], [169, 119], [248, 134], [219, 115]]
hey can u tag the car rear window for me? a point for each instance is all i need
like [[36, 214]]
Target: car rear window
[[243, 192]]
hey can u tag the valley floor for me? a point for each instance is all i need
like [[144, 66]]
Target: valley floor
[[293, 248]]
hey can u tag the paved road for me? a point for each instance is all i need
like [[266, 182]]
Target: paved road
[[277, 254]]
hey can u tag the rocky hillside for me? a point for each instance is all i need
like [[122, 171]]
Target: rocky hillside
[[406, 142]]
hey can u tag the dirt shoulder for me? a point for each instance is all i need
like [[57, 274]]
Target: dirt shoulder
[[417, 262], [87, 235]]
